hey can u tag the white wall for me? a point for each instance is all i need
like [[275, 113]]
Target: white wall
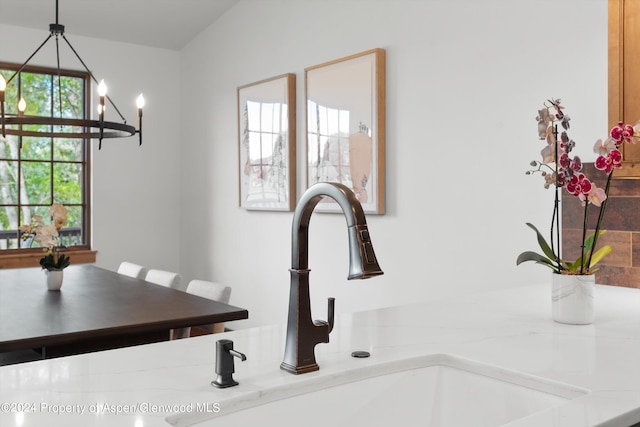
[[464, 82], [135, 189]]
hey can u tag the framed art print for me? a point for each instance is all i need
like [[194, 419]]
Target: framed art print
[[345, 106], [266, 144]]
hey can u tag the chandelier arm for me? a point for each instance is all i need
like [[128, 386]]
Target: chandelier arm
[[28, 59], [2, 125], [93, 77], [22, 125], [109, 129], [59, 73]]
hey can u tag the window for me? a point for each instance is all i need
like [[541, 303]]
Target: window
[[38, 171], [328, 144]]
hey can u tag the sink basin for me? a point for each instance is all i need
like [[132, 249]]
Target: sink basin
[[434, 390]]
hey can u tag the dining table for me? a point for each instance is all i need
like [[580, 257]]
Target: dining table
[[96, 309]]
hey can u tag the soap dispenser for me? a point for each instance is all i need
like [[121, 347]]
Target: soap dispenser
[[225, 364]]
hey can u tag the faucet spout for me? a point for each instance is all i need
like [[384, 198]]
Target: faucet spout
[[303, 333]]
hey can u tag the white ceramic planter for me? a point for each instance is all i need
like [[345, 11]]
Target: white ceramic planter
[[54, 279], [572, 298]]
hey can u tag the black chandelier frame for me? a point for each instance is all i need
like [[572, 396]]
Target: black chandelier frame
[[11, 124]]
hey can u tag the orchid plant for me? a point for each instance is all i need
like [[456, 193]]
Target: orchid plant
[[47, 236], [561, 171]]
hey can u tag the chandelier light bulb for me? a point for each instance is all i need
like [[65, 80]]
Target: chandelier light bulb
[[3, 84], [22, 105], [140, 101], [102, 88]]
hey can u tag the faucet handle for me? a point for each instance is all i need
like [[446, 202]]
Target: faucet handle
[[330, 316], [330, 312]]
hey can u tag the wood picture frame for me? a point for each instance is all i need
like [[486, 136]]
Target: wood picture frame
[[345, 118], [267, 144]]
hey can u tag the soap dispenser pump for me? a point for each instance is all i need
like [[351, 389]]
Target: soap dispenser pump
[[225, 364]]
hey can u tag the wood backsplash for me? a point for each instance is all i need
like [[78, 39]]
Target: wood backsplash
[[622, 222]]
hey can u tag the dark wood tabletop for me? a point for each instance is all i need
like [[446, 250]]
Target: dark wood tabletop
[[95, 309]]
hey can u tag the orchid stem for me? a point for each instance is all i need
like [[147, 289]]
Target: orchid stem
[[584, 238], [600, 217], [555, 220]]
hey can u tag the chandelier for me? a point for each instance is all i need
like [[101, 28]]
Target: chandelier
[[61, 127]]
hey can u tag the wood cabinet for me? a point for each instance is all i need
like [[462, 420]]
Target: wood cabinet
[[624, 75]]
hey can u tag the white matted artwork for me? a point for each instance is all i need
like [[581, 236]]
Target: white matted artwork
[[346, 127], [266, 143]]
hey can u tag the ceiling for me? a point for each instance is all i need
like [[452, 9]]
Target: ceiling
[[168, 24]]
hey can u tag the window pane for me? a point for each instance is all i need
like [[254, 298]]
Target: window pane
[[72, 235], [34, 148], [9, 227], [67, 182], [11, 96], [72, 95], [8, 182], [9, 147], [37, 180], [28, 212], [36, 91], [70, 150]]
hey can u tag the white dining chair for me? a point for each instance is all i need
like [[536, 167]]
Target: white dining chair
[[132, 270], [212, 291], [165, 278]]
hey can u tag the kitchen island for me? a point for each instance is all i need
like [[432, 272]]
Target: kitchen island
[[169, 383]]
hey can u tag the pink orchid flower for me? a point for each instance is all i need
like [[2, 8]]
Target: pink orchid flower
[[547, 154], [622, 133], [613, 160], [603, 147], [579, 184], [596, 196]]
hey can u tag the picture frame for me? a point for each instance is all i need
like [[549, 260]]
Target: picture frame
[[345, 125], [267, 144]]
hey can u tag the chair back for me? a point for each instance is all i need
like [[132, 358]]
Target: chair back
[[210, 290], [165, 278], [132, 270]]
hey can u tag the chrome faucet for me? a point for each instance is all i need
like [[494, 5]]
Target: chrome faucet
[[303, 333]]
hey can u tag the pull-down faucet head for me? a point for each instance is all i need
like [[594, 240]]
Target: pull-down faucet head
[[362, 259]]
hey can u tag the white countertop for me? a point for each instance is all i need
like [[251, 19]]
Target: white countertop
[[510, 329]]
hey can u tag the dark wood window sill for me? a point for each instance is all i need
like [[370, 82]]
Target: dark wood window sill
[[19, 259]]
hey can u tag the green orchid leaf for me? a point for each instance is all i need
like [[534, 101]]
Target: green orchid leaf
[[599, 255], [573, 266], [537, 258], [588, 242], [543, 243]]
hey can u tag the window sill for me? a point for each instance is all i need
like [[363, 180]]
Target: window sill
[[30, 259]]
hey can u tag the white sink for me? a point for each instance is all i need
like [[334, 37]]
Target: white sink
[[433, 391]]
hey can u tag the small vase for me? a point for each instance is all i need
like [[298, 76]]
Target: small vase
[[54, 279], [572, 298]]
